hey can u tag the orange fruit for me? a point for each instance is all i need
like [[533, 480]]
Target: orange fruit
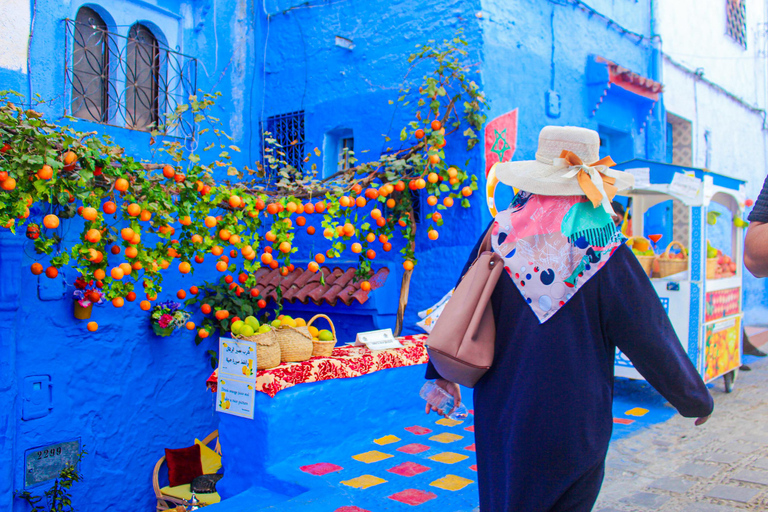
[[432, 234], [181, 294], [184, 268], [93, 236], [9, 184], [224, 234], [228, 279], [370, 238], [221, 266], [234, 239], [117, 273], [375, 213], [235, 201], [217, 250], [266, 258], [436, 125], [291, 207], [126, 268], [69, 158], [191, 326], [51, 221], [206, 309], [136, 265], [92, 326], [194, 290], [387, 247], [185, 221], [434, 159], [145, 305], [466, 191], [320, 207], [222, 314], [210, 221], [269, 236], [109, 207], [134, 210], [365, 286], [300, 221], [349, 229], [121, 185], [118, 302], [432, 177], [89, 213], [169, 171], [36, 269], [383, 238], [452, 172], [131, 252], [197, 239], [145, 215], [127, 234], [370, 254], [344, 201], [360, 202], [328, 233], [272, 209], [131, 296], [313, 266], [357, 248], [390, 203], [408, 265], [202, 333], [419, 133], [284, 247], [309, 208], [179, 178], [320, 258], [45, 172], [448, 202], [51, 272], [99, 274], [311, 230]]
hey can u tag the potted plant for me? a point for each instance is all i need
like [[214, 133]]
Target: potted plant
[[167, 317], [86, 295]]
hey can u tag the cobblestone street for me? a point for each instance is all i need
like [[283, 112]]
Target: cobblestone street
[[718, 467]]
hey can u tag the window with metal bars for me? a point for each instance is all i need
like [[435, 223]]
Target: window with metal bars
[[288, 132], [736, 20], [132, 81]]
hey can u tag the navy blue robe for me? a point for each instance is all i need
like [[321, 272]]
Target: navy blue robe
[[543, 412]]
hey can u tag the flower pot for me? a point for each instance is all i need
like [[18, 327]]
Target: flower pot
[[82, 313], [162, 331]]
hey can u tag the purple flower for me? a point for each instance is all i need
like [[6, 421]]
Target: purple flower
[[165, 320]]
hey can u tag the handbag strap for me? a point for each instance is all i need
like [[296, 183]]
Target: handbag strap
[[485, 245]]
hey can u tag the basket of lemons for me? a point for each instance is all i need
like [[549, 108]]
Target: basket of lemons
[[641, 248], [267, 345], [294, 338], [324, 340]]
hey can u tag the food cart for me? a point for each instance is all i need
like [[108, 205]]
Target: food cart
[[702, 296]]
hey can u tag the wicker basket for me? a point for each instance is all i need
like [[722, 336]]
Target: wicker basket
[[645, 261], [267, 349], [323, 348], [668, 266], [711, 268], [295, 343]]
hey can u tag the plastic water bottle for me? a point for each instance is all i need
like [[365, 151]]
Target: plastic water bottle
[[442, 400]]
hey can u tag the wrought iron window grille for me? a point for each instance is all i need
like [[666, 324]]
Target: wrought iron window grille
[[132, 82], [736, 21], [288, 132]]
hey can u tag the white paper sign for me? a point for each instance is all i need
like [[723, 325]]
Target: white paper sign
[[642, 176], [377, 340], [235, 396], [237, 358], [685, 186]]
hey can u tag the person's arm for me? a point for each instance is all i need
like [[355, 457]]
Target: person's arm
[[635, 321], [756, 241], [756, 249]]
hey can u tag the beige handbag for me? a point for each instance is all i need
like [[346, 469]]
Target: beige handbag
[[461, 343]]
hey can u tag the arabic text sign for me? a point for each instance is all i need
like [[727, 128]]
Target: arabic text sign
[[237, 358]]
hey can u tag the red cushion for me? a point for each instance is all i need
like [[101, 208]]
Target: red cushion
[[184, 465]]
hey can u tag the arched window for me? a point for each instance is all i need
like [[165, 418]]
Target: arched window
[[90, 67], [143, 66]]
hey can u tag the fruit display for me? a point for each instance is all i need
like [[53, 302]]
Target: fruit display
[[719, 265], [722, 348], [641, 247], [249, 327]]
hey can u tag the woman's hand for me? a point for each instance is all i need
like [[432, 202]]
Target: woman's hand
[[452, 389], [701, 421]]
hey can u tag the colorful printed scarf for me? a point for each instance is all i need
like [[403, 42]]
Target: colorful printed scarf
[[552, 245]]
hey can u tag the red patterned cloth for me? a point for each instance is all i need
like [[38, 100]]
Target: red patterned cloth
[[345, 362]]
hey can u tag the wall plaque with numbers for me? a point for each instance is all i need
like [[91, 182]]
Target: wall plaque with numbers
[[46, 463]]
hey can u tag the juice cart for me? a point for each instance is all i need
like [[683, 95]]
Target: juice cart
[[702, 296]]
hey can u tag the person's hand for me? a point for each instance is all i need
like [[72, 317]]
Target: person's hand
[[452, 389], [701, 421]]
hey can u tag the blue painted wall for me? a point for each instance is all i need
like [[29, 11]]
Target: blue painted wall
[[124, 392]]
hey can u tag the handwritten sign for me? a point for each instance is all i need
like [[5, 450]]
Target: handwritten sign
[[642, 177], [377, 340], [237, 358], [235, 396], [685, 186], [46, 463]]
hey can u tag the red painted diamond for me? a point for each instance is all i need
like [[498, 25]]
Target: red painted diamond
[[413, 496], [413, 448], [408, 469], [419, 431], [321, 468]]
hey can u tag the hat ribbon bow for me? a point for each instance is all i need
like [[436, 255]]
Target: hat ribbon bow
[[598, 187]]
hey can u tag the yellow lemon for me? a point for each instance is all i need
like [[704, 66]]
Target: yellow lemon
[[313, 331], [288, 321], [226, 404], [325, 335], [300, 322]]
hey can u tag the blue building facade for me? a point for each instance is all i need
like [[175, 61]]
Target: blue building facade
[[325, 70]]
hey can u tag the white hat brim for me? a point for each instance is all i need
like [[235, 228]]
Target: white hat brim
[[540, 178]]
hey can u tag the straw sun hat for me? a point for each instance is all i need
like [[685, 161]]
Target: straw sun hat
[[567, 164]]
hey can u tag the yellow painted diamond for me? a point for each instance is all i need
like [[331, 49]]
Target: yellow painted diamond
[[364, 481], [386, 440], [637, 411], [446, 437], [372, 456], [452, 483], [449, 457], [448, 422]]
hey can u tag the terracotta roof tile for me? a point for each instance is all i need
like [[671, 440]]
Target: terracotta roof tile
[[302, 285]]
